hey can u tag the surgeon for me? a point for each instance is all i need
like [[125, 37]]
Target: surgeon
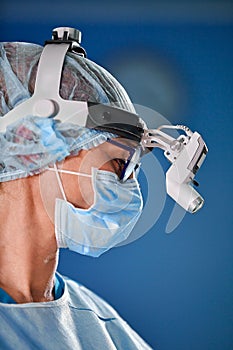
[[63, 185]]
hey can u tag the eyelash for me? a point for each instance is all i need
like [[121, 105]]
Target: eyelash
[[120, 162]]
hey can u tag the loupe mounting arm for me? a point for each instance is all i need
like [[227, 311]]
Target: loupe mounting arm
[[153, 138]]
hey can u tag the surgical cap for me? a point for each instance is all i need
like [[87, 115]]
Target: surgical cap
[[32, 143]]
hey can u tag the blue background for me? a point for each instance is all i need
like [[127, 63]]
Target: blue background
[[174, 56]]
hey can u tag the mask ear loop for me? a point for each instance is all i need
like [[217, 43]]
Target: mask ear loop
[[60, 183], [57, 171]]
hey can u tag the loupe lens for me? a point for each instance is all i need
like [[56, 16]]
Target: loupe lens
[[196, 205], [132, 164]]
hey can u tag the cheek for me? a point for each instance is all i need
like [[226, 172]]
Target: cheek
[[97, 158], [79, 191], [109, 166]]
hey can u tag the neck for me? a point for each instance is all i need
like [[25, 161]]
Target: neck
[[28, 249]]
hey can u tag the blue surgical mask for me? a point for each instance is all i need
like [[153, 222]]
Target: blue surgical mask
[[109, 221]]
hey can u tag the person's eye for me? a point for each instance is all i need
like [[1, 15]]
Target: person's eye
[[120, 163]]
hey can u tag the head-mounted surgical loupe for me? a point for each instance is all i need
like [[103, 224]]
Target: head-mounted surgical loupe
[[186, 153]]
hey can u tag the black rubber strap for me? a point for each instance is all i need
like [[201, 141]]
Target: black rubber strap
[[115, 120]]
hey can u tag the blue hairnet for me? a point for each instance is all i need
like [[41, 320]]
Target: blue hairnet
[[31, 144]]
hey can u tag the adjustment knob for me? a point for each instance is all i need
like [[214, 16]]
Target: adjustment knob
[[67, 33], [45, 108]]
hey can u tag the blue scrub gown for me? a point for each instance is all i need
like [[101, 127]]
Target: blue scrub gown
[[77, 320]]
